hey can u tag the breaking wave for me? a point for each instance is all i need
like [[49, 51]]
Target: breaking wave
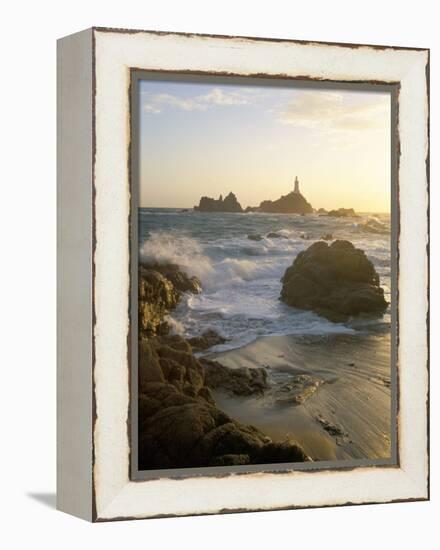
[[241, 277]]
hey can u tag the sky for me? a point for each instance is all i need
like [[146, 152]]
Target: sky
[[209, 139]]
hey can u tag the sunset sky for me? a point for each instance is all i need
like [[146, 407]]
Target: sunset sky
[[199, 139]]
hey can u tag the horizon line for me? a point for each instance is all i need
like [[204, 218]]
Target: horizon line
[[288, 214]]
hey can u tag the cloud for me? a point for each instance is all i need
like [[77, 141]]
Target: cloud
[[335, 111], [151, 108], [156, 103]]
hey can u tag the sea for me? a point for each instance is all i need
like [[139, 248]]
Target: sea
[[241, 277]]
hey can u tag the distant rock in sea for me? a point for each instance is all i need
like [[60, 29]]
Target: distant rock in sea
[[274, 235], [343, 213], [228, 204], [292, 203], [336, 281], [255, 237]]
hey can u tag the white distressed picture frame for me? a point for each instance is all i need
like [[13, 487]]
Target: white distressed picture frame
[[94, 273]]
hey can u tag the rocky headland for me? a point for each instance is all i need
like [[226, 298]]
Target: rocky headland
[[336, 281], [227, 204], [180, 425]]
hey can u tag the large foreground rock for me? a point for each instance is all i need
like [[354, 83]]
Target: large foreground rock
[[179, 424], [236, 381], [336, 281], [206, 340]]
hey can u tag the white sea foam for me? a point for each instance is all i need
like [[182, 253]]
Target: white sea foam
[[167, 247], [176, 327]]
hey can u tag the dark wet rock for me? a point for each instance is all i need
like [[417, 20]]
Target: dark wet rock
[[160, 289], [206, 340], [336, 281], [236, 381], [343, 213], [149, 368], [340, 435], [274, 235], [187, 431], [178, 364], [180, 280], [179, 424], [230, 460], [255, 237], [281, 451], [297, 390], [292, 203], [228, 204], [322, 211], [305, 236], [206, 394]]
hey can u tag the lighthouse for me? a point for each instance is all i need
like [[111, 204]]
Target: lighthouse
[[296, 190]]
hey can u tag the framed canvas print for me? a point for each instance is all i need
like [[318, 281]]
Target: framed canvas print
[[242, 274]]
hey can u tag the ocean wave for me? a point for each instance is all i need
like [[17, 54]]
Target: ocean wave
[[374, 225], [242, 327], [167, 247], [241, 277], [164, 247]]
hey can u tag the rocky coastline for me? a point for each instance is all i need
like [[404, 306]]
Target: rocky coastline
[[180, 424]]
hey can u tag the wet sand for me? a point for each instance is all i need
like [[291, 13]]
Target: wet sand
[[331, 394]]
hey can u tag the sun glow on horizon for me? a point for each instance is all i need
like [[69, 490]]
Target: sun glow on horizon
[[209, 139]]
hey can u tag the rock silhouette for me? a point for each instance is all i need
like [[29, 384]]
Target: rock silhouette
[[228, 204], [292, 203], [343, 213]]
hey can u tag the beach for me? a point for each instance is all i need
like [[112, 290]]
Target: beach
[[341, 406]]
